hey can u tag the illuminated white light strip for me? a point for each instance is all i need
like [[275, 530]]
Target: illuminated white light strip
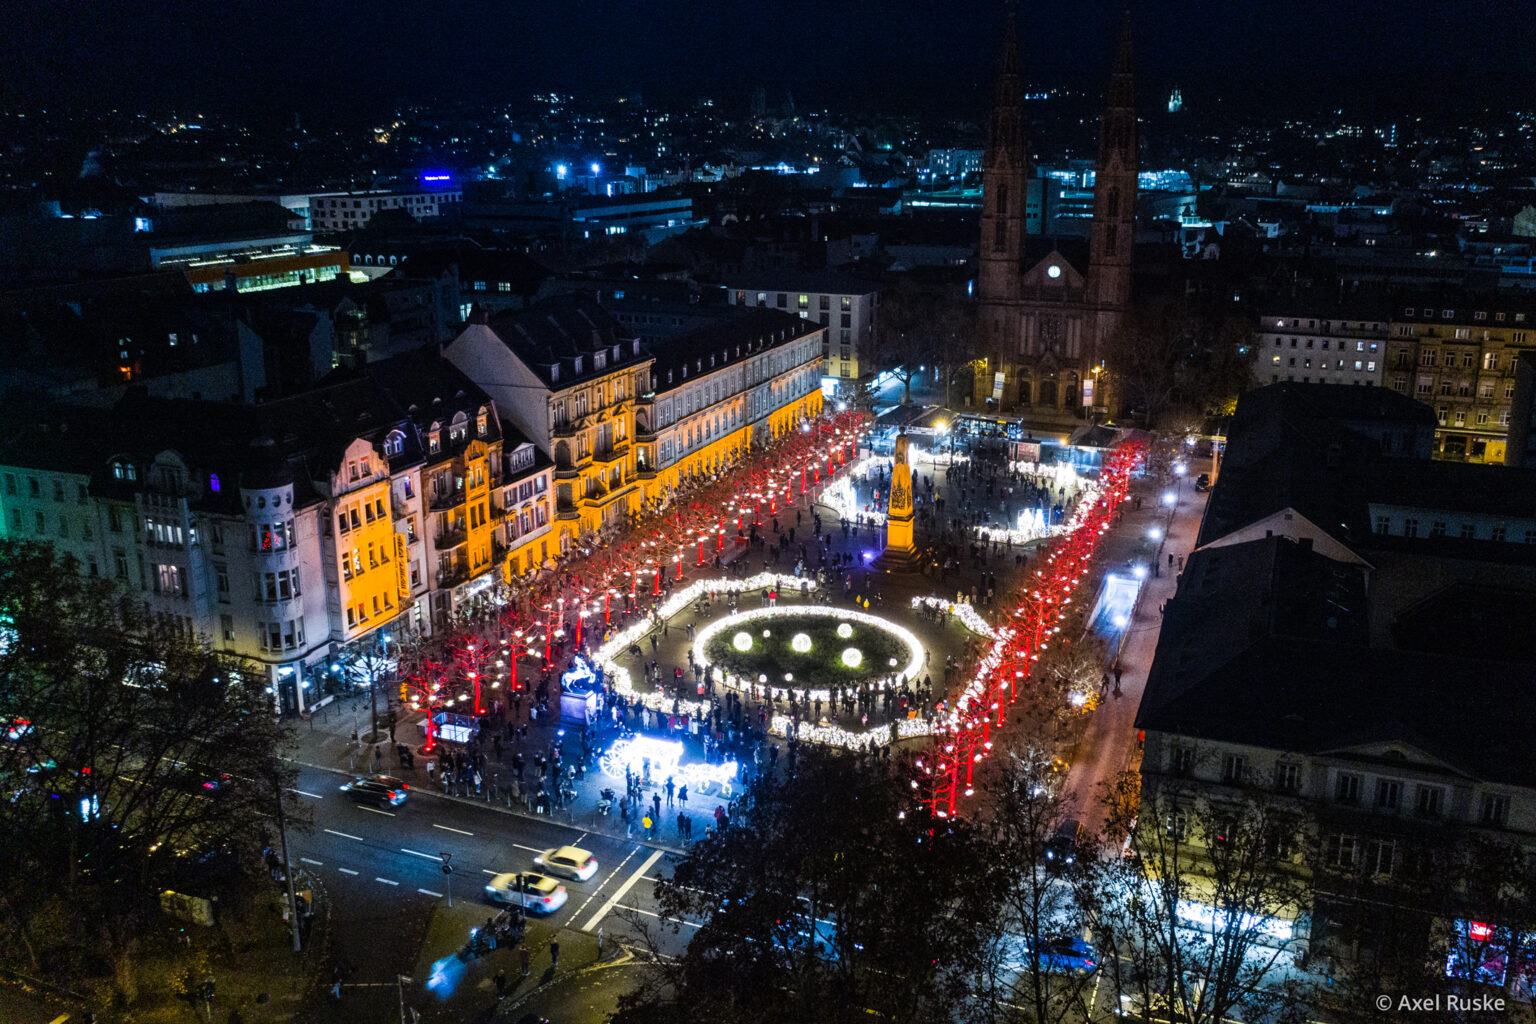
[[968, 616], [680, 599], [914, 646], [832, 735]]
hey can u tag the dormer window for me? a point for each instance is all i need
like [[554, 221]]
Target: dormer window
[[459, 429], [213, 482], [394, 444], [482, 423], [599, 360], [578, 364], [435, 438], [554, 372]]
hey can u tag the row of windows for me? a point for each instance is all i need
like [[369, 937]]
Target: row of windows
[[1349, 788], [1366, 365], [275, 636], [352, 560], [1343, 346], [40, 524], [35, 489], [1450, 314], [347, 519], [357, 614], [1412, 527]]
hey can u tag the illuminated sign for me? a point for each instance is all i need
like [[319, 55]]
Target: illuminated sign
[[402, 573]]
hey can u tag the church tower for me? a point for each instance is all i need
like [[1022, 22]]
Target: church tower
[[1004, 189], [1114, 199]]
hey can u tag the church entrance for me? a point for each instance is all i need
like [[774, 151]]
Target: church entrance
[[1048, 391]]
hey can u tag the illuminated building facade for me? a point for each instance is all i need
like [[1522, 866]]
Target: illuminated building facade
[[566, 374], [720, 389], [845, 305], [1458, 356]]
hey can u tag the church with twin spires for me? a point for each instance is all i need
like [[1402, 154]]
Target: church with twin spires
[[1044, 323]]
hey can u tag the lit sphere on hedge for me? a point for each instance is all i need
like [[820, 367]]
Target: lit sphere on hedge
[[742, 641], [801, 643], [853, 657], [844, 630]]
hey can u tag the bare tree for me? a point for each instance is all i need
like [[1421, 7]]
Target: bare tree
[[1193, 919], [1028, 968], [137, 760]]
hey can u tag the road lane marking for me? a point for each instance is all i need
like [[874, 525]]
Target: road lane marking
[[375, 810], [386, 881], [530, 849], [346, 871], [619, 894], [429, 892], [570, 920], [344, 835], [305, 792], [490, 872], [316, 863], [446, 828], [424, 856], [652, 913]]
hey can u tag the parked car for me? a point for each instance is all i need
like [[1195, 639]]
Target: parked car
[[536, 893], [1061, 848], [568, 862], [1203, 482], [382, 790], [1064, 954]]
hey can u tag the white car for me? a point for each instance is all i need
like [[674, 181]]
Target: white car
[[568, 862], [538, 894]]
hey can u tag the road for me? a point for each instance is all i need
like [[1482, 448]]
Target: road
[[389, 897], [1108, 747]]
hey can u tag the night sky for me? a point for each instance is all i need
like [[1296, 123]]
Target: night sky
[[328, 56]]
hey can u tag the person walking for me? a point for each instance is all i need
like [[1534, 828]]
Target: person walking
[[522, 955], [501, 985], [554, 953]]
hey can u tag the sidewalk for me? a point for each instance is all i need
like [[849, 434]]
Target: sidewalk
[[1109, 746]]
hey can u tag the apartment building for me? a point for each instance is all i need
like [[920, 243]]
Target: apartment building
[[1349, 642], [290, 531], [1322, 341], [1458, 355], [349, 211], [845, 305], [747, 377], [566, 374]]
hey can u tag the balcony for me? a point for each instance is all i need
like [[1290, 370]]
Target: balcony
[[612, 454], [565, 428], [452, 577], [566, 509], [446, 498], [451, 537]]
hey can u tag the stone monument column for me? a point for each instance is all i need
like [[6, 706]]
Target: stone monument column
[[900, 544]]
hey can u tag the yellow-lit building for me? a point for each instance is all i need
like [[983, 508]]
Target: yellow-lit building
[[362, 542], [751, 376], [566, 374], [1457, 356]]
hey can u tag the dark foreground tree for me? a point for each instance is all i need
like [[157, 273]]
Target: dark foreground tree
[[834, 901], [135, 760], [1192, 922]]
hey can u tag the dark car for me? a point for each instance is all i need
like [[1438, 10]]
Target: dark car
[[1203, 482], [1065, 954], [383, 790], [1061, 849]]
